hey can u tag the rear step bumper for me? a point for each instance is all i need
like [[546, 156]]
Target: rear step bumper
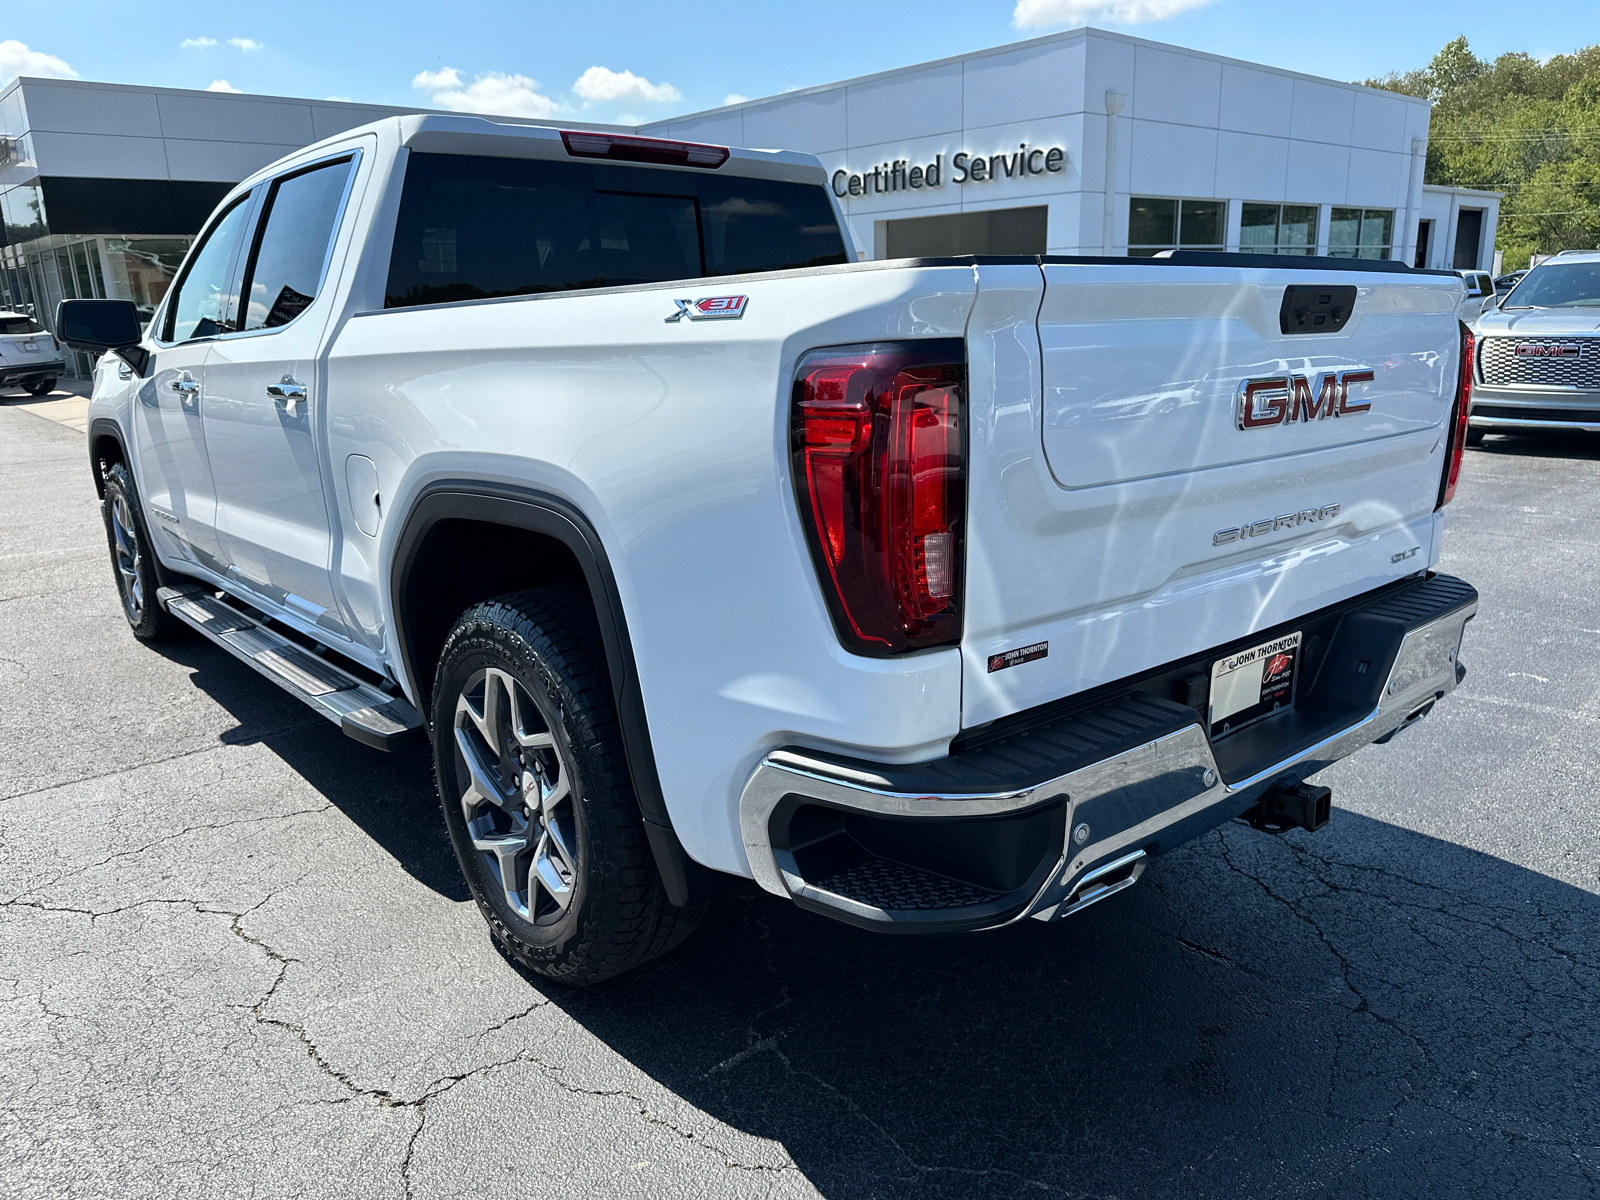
[[1048, 820], [363, 712]]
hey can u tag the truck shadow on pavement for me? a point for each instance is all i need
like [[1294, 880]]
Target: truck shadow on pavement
[[1362, 1011], [390, 796]]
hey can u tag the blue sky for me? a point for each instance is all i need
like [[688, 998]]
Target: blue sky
[[625, 61]]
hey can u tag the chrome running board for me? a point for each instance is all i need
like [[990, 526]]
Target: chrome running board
[[362, 711]]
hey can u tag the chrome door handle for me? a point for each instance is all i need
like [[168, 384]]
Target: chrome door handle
[[185, 384], [288, 393]]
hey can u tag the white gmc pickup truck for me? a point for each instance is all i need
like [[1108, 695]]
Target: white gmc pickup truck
[[931, 594]]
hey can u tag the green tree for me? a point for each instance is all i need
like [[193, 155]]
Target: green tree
[[1516, 125]]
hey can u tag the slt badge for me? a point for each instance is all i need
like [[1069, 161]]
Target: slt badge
[[711, 308]]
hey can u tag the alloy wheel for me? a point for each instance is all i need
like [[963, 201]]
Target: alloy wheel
[[516, 795], [126, 557]]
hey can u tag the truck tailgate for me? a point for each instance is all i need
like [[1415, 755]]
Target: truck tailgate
[[1122, 518]]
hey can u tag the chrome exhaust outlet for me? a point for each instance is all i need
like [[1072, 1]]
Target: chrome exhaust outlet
[[1103, 881]]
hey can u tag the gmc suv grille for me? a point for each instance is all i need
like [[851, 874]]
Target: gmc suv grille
[[1501, 364]]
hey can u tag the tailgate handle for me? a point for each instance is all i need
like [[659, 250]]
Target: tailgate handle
[[1315, 308]]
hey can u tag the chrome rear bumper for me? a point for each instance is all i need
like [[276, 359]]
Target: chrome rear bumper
[[1149, 795]]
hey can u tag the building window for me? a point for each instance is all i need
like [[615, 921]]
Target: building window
[[997, 231], [143, 268], [1157, 224], [1361, 233], [1278, 228]]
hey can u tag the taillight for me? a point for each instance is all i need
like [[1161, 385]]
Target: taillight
[[1458, 419], [878, 446], [583, 144]]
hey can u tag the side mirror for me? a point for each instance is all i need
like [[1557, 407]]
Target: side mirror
[[101, 326]]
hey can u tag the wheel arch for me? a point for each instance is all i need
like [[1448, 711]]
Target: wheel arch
[[106, 446], [440, 529]]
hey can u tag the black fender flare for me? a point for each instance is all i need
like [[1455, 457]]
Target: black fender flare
[[99, 428], [549, 515]]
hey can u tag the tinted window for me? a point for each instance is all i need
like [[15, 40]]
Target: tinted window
[[14, 325], [1570, 285], [473, 227], [286, 268], [205, 300]]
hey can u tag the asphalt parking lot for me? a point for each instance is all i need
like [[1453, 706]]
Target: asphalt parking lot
[[237, 959]]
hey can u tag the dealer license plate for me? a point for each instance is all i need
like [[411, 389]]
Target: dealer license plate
[[1254, 683], [30, 345]]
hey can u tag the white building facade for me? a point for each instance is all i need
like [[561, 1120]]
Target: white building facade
[[1144, 147], [1083, 142]]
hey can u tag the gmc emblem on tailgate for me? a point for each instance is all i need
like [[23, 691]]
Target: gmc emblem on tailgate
[[1285, 399]]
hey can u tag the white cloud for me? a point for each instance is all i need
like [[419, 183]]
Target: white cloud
[[598, 84], [1030, 13], [493, 92], [437, 81], [245, 44], [16, 59], [339, 99], [222, 85], [197, 43], [734, 98]]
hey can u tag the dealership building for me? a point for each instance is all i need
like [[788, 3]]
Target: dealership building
[[1083, 142]]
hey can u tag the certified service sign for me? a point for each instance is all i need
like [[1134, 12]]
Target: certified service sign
[[899, 174]]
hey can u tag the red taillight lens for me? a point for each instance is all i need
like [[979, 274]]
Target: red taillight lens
[[583, 144], [1458, 418], [879, 466]]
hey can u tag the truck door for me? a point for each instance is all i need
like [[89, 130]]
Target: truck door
[[264, 408], [174, 472]]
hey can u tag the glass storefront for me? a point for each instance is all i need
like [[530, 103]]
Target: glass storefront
[[36, 277]]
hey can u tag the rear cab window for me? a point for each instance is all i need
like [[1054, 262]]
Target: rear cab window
[[473, 228], [293, 241]]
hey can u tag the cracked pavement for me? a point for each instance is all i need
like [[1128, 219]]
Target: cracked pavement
[[237, 959]]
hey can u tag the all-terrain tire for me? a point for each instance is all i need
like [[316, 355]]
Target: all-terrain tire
[[616, 913], [133, 562]]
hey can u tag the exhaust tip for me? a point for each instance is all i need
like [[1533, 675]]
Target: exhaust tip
[[1104, 881]]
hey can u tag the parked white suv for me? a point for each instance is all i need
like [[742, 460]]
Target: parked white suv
[[29, 356], [930, 594], [1539, 352]]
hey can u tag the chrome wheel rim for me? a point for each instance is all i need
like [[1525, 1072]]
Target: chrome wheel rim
[[126, 558], [516, 796]]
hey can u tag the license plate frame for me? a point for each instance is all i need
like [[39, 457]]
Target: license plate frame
[[1253, 684]]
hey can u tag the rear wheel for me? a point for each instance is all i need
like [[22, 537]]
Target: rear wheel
[[41, 387], [133, 564], [536, 792]]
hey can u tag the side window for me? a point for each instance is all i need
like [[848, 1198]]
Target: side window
[[204, 302], [292, 244]]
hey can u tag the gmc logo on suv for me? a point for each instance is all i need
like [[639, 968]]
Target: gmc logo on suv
[[1547, 350], [1285, 399]]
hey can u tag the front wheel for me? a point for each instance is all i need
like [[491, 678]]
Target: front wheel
[[133, 563], [536, 793], [1474, 436]]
